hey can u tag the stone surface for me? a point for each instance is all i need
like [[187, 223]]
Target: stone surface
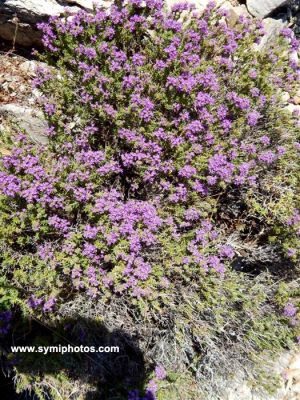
[[272, 28], [287, 366], [235, 12], [16, 74], [31, 11], [296, 98], [18, 18], [26, 34], [87, 4], [285, 97], [263, 8], [29, 119], [293, 108], [28, 67]]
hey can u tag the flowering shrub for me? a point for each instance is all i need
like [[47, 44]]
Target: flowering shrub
[[158, 122]]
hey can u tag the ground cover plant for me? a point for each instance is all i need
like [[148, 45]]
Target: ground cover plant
[[168, 194]]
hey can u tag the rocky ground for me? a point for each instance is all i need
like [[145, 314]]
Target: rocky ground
[[18, 101], [16, 73]]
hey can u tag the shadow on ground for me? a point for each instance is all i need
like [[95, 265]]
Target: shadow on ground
[[96, 375]]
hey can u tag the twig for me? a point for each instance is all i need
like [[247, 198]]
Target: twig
[[15, 21]]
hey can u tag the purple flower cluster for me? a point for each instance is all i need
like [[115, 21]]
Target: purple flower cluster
[[152, 387], [45, 304], [160, 372], [290, 310], [150, 121]]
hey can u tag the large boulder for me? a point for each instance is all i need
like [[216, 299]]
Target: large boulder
[[18, 18], [31, 11], [263, 8]]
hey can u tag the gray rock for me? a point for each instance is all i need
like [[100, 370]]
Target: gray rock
[[25, 14], [29, 119], [272, 29], [28, 67], [31, 11], [88, 4], [285, 97], [19, 18], [287, 366], [293, 109], [26, 35], [263, 8]]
